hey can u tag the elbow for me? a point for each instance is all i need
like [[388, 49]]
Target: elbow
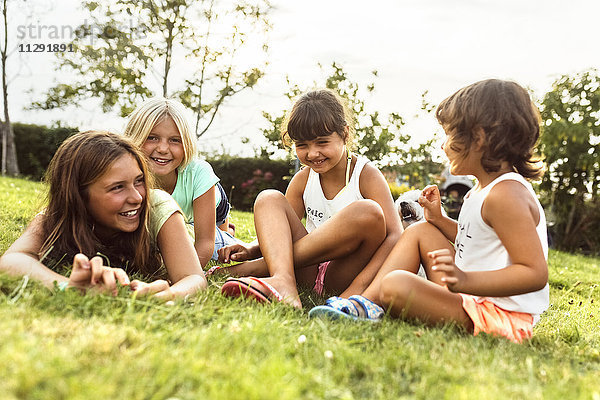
[[541, 278]]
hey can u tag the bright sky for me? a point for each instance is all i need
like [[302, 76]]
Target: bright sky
[[417, 45]]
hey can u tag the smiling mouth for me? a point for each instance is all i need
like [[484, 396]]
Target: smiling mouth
[[130, 214], [319, 162], [160, 161]]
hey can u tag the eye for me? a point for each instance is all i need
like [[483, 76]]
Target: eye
[[151, 138], [175, 140], [116, 188], [300, 145], [139, 181]]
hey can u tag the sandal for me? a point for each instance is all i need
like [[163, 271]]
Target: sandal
[[337, 307]]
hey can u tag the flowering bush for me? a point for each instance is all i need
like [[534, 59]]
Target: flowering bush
[[253, 186]]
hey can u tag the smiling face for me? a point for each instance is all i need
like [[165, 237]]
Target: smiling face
[[115, 199], [321, 154], [164, 148]]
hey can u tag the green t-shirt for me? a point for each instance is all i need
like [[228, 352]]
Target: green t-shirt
[[162, 206], [192, 182]]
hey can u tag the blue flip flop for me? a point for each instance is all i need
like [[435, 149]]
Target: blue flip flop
[[337, 307]]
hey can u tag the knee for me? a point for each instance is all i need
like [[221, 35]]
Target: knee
[[367, 213], [398, 288], [419, 230], [267, 198]]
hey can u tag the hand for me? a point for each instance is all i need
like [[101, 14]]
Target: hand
[[160, 289], [431, 201], [452, 276], [235, 252], [87, 274]]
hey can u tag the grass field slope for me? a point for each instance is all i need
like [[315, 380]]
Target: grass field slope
[[68, 346]]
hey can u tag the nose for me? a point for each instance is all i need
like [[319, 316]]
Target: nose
[[313, 152], [135, 196], [162, 146]]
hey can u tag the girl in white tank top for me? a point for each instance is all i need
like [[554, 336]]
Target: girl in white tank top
[[351, 220], [494, 278]]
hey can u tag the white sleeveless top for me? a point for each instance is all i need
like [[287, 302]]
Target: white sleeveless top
[[318, 209], [478, 248]]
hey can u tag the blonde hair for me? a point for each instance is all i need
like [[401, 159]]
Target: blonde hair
[[154, 111]]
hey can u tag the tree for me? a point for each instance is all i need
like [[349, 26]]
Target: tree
[[570, 144], [9, 151], [379, 138], [115, 61]]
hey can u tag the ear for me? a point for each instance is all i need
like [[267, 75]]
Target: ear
[[478, 138], [346, 132]]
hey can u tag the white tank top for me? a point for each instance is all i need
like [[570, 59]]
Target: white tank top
[[318, 209], [478, 248]]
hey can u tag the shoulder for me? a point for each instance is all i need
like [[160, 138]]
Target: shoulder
[[197, 166], [298, 182], [371, 179], [509, 199]]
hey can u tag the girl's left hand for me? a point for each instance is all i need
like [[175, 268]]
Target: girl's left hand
[[452, 276], [160, 289]]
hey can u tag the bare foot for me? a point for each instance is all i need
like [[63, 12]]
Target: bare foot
[[276, 289]]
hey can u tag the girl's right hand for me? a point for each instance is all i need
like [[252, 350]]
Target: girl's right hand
[[87, 274], [236, 252], [431, 201]]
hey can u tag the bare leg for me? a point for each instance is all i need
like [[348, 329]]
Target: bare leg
[[408, 296], [350, 238], [410, 251]]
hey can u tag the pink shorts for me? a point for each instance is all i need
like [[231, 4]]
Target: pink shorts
[[320, 280], [489, 318]]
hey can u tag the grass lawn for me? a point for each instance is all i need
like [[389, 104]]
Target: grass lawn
[[66, 345]]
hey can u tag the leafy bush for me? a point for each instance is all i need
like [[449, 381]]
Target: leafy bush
[[36, 145], [243, 178], [397, 190], [570, 144]]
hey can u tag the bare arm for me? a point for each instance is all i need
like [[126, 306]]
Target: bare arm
[[21, 259], [204, 225], [516, 228], [181, 262], [295, 191], [431, 201]]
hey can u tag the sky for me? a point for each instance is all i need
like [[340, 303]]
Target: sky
[[437, 46]]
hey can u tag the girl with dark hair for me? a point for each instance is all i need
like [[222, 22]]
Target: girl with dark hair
[[351, 222], [102, 217]]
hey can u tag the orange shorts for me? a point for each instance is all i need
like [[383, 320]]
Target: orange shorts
[[489, 318]]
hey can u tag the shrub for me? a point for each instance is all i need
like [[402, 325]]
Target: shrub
[[243, 178], [36, 145], [397, 190]]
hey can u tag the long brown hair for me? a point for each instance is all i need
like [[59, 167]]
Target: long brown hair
[[80, 161], [508, 117]]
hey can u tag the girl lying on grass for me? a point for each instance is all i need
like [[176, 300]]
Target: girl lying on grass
[[101, 213], [495, 278], [159, 128], [351, 222]]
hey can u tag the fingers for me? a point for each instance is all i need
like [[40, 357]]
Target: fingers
[[224, 253], [97, 267], [121, 276], [109, 283], [144, 289]]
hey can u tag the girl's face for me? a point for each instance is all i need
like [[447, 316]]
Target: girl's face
[[461, 164], [321, 154], [115, 199], [164, 148]]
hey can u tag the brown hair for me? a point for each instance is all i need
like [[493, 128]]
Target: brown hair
[[80, 161], [508, 117], [317, 113]]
